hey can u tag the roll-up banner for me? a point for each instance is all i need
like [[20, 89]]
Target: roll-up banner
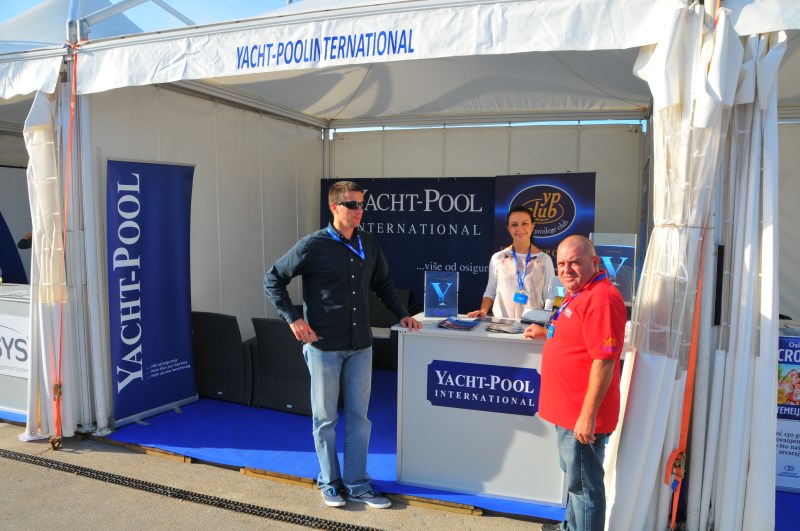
[[429, 224], [149, 290], [787, 441], [562, 205]]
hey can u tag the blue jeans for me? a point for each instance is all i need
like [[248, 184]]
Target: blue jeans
[[583, 466], [353, 368]]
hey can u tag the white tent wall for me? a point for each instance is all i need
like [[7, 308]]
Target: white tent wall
[[789, 219], [12, 151], [613, 151], [255, 192]]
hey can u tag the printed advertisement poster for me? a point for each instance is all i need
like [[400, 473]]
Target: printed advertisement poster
[[788, 434], [429, 224], [441, 293], [14, 346], [562, 204], [149, 290], [618, 261]]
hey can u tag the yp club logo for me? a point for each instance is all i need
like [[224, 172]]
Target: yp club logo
[[553, 209]]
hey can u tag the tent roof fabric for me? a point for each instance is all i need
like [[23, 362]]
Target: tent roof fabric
[[351, 63]]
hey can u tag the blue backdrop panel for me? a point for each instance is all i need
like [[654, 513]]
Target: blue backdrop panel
[[11, 269], [562, 204], [430, 224], [148, 214]]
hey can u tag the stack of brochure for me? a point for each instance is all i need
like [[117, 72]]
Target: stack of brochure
[[505, 328], [454, 323]]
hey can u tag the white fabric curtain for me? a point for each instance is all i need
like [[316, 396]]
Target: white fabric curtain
[[741, 492], [59, 296], [49, 316], [697, 75]]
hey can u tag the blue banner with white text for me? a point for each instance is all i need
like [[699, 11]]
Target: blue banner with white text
[[429, 224], [149, 292], [495, 388]]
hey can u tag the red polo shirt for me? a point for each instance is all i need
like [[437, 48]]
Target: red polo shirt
[[590, 327]]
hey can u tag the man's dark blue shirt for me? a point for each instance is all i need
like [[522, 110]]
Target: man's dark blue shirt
[[336, 285]]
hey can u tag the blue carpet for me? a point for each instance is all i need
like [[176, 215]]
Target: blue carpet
[[13, 416], [232, 434], [236, 435], [271, 440]]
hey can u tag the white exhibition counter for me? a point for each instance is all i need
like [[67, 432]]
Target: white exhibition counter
[[14, 318], [467, 421]]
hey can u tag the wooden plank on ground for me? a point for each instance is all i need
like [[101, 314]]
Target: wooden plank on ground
[[172, 456]]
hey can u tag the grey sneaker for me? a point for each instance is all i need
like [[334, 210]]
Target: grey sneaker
[[332, 497], [372, 498]]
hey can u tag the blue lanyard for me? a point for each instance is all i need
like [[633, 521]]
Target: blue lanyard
[[359, 253], [521, 275], [573, 297]]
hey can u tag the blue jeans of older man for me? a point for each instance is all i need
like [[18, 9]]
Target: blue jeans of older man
[[353, 370], [583, 466]]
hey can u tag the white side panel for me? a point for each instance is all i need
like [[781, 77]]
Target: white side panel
[[613, 152], [12, 151], [187, 136], [476, 152], [126, 124], [417, 153], [548, 149], [789, 220], [240, 230], [279, 196], [309, 173], [357, 155]]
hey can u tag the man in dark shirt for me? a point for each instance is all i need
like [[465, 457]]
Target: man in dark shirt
[[339, 265]]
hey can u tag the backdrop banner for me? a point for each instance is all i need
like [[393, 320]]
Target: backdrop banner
[[429, 224], [562, 204], [149, 292], [11, 269]]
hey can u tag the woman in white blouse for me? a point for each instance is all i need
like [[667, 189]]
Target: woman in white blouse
[[518, 274]]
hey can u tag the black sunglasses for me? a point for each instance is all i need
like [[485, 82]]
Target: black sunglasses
[[351, 205]]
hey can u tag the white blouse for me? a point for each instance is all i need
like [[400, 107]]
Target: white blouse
[[503, 283]]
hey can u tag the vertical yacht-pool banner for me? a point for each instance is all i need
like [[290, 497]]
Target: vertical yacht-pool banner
[[149, 291]]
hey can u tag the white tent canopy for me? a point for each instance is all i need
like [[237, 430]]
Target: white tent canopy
[[473, 61]]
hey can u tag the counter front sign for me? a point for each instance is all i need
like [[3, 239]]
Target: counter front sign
[[475, 386]]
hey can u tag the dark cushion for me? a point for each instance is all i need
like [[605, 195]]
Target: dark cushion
[[223, 363]]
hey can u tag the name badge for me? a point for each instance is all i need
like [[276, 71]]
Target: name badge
[[550, 331], [521, 297]]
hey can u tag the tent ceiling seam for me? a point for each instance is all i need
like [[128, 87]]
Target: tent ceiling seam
[[585, 80], [355, 92]]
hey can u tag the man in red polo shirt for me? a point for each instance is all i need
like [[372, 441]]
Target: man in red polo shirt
[[580, 378]]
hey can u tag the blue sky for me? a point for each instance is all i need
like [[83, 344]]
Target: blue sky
[[150, 17]]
